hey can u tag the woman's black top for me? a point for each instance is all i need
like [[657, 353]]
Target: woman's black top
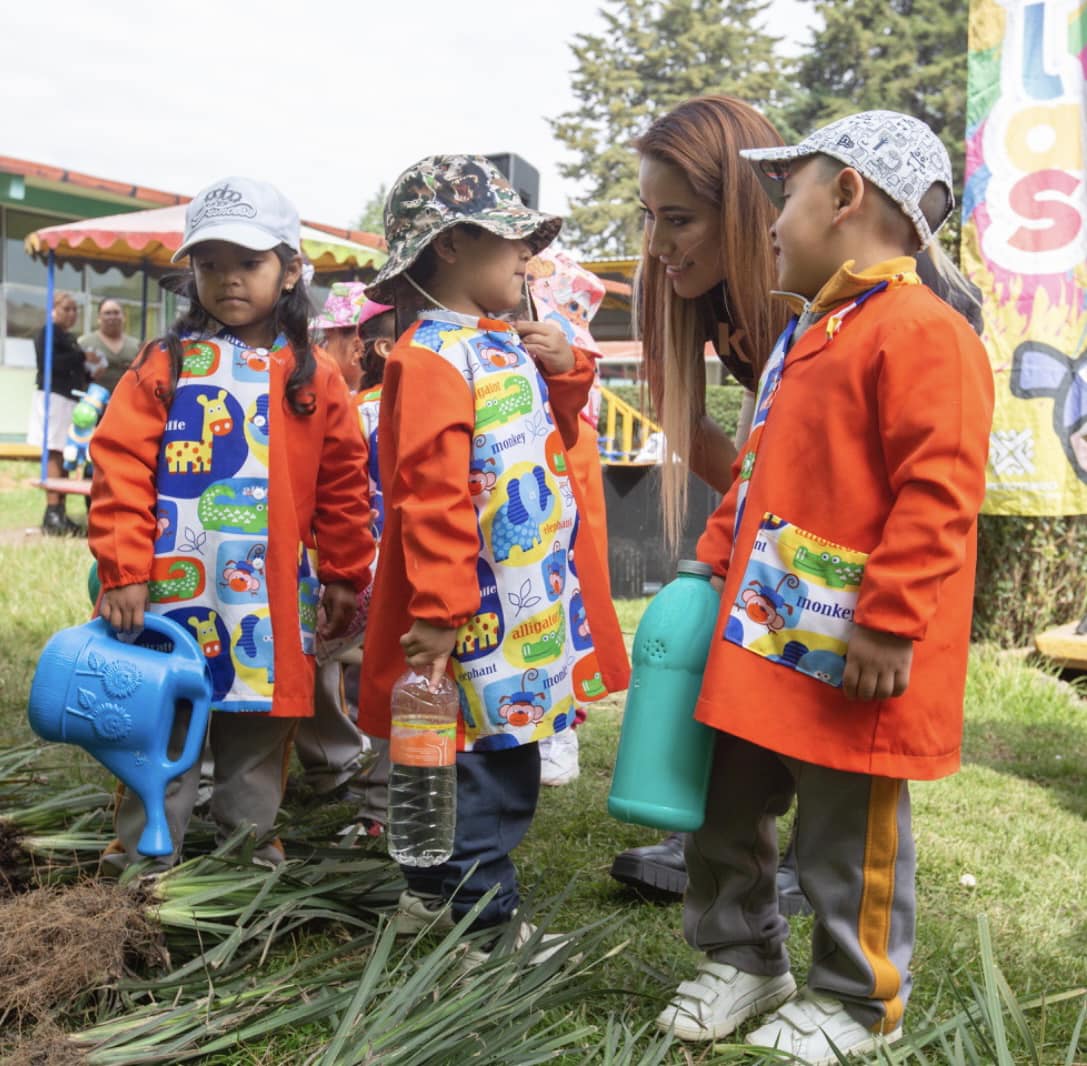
[[69, 373]]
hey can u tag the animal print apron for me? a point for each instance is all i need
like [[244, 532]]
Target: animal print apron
[[212, 512], [526, 659]]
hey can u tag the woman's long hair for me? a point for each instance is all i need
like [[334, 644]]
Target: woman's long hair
[[702, 137], [291, 317]]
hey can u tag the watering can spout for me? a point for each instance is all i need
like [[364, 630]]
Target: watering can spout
[[119, 702]]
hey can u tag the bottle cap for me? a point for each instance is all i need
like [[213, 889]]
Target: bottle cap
[[693, 566]]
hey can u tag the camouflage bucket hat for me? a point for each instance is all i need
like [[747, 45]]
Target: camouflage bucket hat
[[443, 191]]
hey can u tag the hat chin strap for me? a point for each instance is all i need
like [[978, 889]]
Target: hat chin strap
[[441, 307], [422, 292]]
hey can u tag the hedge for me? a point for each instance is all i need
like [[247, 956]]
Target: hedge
[[1032, 572]]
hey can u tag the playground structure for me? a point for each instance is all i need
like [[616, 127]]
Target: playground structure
[[626, 435]]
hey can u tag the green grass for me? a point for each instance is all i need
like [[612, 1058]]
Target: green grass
[[1013, 819]]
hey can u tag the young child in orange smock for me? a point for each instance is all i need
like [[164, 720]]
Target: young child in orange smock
[[485, 568], [846, 548], [229, 483]]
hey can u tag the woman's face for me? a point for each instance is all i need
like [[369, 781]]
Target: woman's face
[[65, 313], [111, 319], [683, 230]]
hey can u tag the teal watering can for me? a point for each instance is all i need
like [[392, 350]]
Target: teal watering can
[[118, 702]]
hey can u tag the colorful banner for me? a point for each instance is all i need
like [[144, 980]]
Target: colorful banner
[[1024, 245]]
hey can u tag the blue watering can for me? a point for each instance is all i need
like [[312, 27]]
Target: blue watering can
[[118, 701]]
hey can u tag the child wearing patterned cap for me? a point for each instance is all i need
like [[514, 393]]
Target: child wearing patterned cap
[[845, 549], [486, 571], [229, 486]]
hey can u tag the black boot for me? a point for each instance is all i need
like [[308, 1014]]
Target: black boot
[[791, 899], [56, 523], [657, 869]]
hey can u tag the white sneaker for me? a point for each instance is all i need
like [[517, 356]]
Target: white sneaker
[[805, 1028], [720, 999], [545, 947], [417, 912], [558, 758]]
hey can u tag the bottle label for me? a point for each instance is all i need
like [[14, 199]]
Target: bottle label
[[422, 743]]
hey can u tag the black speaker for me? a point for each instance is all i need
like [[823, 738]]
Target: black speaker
[[637, 558], [523, 176]]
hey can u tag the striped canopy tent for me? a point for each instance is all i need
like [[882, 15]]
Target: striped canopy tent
[[139, 240], [145, 241]]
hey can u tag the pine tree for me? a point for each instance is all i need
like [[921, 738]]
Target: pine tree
[[902, 55], [372, 219], [652, 55]]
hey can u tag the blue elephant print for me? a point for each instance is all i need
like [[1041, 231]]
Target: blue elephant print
[[254, 648], [517, 522]]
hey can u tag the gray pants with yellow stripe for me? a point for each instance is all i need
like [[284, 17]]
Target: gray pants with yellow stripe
[[856, 863]]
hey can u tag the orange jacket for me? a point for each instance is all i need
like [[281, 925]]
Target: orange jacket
[[876, 441], [431, 540], [317, 499]]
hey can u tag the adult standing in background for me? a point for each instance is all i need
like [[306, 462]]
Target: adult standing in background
[[707, 269], [109, 349], [69, 376]]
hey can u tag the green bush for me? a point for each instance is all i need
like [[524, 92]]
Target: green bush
[[1031, 575]]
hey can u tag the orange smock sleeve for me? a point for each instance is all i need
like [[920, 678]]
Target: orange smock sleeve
[[124, 450], [934, 396], [568, 393], [345, 545], [432, 416], [715, 544]]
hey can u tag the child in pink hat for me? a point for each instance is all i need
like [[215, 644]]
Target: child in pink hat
[[330, 747], [340, 324]]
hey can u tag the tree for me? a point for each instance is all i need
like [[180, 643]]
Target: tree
[[372, 219], [652, 55], [902, 55]]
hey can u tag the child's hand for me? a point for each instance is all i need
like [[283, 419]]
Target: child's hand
[[427, 648], [123, 608], [717, 584], [877, 665], [547, 344], [339, 604]]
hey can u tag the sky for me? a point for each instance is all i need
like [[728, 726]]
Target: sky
[[327, 99]]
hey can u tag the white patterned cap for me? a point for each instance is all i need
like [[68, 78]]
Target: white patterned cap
[[896, 152], [243, 211]]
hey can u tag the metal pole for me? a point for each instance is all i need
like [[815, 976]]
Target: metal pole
[[47, 370], [143, 306]]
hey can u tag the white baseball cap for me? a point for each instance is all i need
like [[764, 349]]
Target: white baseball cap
[[243, 211], [896, 152]]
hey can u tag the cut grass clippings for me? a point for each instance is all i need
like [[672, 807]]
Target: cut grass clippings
[[1004, 838]]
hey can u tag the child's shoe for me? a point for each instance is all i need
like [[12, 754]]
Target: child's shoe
[[805, 1028], [720, 999], [558, 758], [418, 911], [545, 946]]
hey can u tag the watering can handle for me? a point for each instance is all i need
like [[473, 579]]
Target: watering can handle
[[195, 686]]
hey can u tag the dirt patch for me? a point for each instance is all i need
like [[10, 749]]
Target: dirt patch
[[44, 1045], [59, 945], [19, 535]]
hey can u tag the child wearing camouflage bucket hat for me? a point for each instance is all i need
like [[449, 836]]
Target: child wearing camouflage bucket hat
[[486, 570], [845, 550]]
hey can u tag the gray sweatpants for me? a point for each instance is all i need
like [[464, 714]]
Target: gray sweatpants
[[329, 745], [856, 863], [250, 752]]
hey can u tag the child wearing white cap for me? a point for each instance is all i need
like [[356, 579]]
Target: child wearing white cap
[[229, 484], [845, 550]]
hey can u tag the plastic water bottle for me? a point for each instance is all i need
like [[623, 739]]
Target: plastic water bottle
[[423, 774], [662, 768]]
